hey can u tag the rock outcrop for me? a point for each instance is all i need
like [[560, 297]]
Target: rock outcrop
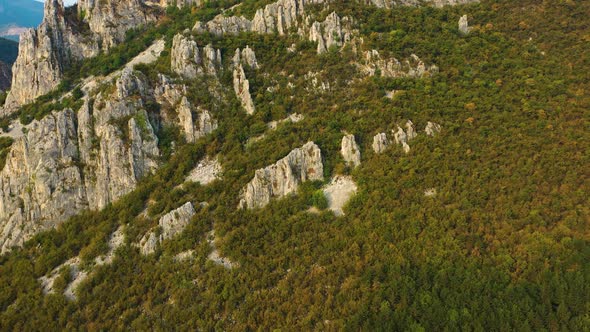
[[402, 137], [66, 36], [432, 128], [194, 123], [168, 92], [283, 177], [380, 143], [245, 56], [464, 25], [109, 20], [293, 118], [332, 32], [169, 226], [283, 17], [278, 17], [206, 171], [437, 3], [215, 256], [338, 193], [76, 274], [350, 151], [241, 83], [5, 76], [189, 61], [222, 25], [41, 180], [71, 161], [181, 3], [412, 67]]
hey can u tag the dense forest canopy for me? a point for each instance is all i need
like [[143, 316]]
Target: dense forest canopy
[[504, 245]]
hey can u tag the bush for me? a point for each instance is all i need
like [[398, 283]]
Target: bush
[[319, 200]]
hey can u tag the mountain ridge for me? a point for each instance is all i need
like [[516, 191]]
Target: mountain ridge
[[454, 219]]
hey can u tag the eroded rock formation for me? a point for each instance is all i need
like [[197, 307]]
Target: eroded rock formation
[[380, 143], [71, 161], [412, 67], [67, 35], [350, 151], [189, 61], [170, 225], [432, 128], [283, 177], [464, 25], [241, 83], [436, 3], [332, 32], [402, 137], [194, 123]]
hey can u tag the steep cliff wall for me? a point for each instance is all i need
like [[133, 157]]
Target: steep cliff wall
[[66, 36], [283, 177]]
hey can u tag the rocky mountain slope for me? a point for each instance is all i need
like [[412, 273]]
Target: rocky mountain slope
[[298, 164], [67, 35]]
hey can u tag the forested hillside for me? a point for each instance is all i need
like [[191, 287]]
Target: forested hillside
[[482, 225]]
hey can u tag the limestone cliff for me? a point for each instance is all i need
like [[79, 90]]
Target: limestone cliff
[[436, 3], [289, 16], [70, 161], [283, 177], [412, 67], [350, 151], [402, 137], [189, 61], [67, 35], [241, 83], [380, 142], [194, 123], [332, 32], [170, 225], [464, 25]]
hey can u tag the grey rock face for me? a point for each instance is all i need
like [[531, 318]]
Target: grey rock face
[[283, 177], [42, 58], [189, 61], [109, 20], [411, 67], [350, 151], [170, 225], [45, 53], [222, 25], [68, 162], [380, 143], [245, 56], [41, 182], [432, 128], [403, 137], [333, 31], [168, 92], [181, 3], [5, 76], [437, 3], [242, 89], [278, 17], [241, 83], [197, 125], [464, 25]]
